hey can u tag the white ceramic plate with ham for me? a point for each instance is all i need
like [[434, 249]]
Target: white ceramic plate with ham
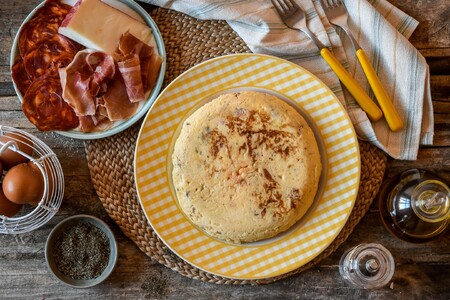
[[87, 69]]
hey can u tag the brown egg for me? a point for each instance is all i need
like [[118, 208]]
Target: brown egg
[[8, 208], [22, 184], [46, 166], [10, 158]]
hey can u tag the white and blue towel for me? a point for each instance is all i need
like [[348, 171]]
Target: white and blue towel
[[380, 28]]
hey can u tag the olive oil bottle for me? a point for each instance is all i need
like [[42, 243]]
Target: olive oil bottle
[[414, 206]]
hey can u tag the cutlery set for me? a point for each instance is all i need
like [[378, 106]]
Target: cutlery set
[[294, 17]]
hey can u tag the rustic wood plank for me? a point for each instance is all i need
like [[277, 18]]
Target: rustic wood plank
[[135, 273], [428, 159], [439, 65], [441, 124], [10, 103], [15, 119], [12, 15], [440, 52], [433, 29], [440, 87], [441, 107]]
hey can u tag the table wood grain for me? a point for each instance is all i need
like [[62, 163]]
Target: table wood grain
[[422, 271]]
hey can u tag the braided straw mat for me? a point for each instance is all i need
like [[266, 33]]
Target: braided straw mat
[[188, 42]]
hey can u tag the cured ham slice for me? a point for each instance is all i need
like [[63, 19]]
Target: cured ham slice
[[76, 93], [96, 92], [151, 71], [139, 64], [85, 78], [94, 123], [131, 72], [97, 122], [44, 106], [116, 101]]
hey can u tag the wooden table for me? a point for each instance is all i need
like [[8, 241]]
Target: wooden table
[[422, 271]]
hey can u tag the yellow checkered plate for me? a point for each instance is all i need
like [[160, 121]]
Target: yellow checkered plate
[[339, 180]]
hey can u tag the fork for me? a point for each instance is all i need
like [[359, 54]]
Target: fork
[[294, 17], [337, 14]]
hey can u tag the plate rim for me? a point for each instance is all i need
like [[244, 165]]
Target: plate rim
[[145, 107], [335, 99]]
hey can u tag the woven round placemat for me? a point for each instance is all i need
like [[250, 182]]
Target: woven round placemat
[[188, 42]]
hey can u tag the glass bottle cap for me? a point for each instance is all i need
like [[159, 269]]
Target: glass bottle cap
[[431, 201], [367, 266]]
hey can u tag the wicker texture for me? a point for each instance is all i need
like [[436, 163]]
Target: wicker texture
[[188, 42]]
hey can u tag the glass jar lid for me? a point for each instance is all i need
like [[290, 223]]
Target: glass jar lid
[[430, 201], [367, 266]]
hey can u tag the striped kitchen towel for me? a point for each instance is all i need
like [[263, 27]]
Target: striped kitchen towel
[[380, 28]]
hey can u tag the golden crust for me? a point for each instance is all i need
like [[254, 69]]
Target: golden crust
[[246, 166]]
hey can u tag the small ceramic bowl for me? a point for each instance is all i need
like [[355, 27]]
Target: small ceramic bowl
[[55, 233]]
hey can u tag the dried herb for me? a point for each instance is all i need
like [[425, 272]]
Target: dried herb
[[81, 251], [155, 287]]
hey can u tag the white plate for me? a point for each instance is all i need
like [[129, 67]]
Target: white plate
[[135, 10]]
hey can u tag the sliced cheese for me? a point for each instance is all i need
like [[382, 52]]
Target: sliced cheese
[[99, 26]]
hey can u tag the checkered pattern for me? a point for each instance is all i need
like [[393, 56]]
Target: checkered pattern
[[337, 143]]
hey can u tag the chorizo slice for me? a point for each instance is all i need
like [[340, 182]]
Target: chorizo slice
[[49, 56], [44, 106], [35, 32], [20, 76], [43, 25]]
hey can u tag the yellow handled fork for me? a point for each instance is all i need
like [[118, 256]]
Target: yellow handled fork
[[294, 17], [337, 15]]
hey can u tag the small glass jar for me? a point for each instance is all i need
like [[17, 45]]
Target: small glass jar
[[415, 206], [367, 266]]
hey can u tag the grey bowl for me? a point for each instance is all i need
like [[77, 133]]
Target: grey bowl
[[134, 9], [71, 221]]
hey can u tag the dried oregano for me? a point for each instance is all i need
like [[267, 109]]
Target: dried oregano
[[81, 251]]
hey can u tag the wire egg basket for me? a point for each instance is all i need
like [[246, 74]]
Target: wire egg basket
[[31, 217]]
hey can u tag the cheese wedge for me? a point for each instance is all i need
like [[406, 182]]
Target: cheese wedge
[[99, 26]]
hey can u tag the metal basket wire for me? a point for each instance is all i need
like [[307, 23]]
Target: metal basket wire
[[46, 160]]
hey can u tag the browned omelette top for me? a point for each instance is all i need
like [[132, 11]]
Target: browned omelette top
[[246, 167]]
